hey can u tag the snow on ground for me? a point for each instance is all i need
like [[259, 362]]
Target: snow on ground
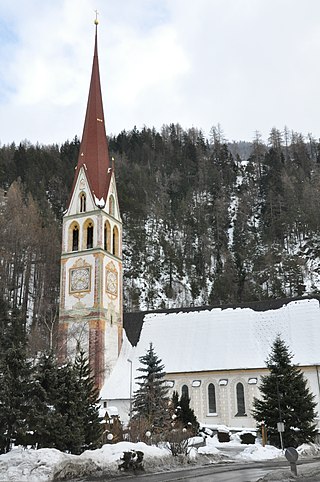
[[306, 473], [46, 465], [257, 452]]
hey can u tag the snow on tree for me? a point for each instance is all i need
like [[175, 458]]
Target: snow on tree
[[150, 402], [285, 398]]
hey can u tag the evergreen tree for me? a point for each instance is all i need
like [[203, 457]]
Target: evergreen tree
[[150, 401], [88, 402], [286, 398], [68, 415], [71, 438], [16, 383], [47, 422], [185, 415]]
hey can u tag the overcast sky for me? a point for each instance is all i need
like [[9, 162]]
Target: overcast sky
[[248, 65]]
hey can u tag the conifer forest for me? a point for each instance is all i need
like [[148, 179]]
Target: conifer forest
[[205, 221]]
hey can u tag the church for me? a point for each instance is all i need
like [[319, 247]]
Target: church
[[216, 355]]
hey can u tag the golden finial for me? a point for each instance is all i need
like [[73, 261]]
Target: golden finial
[[96, 21]]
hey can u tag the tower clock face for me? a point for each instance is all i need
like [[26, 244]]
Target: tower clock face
[[79, 279], [112, 282]]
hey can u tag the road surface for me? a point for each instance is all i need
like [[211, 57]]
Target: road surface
[[231, 472]]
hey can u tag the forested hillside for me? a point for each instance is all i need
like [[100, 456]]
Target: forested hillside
[[205, 221]]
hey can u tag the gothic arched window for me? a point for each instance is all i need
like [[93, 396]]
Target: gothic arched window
[[107, 236], [212, 398], [83, 200], [75, 238], [240, 400], [115, 241], [89, 235], [185, 391]]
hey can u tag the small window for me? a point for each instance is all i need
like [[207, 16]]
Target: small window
[[212, 398], [240, 400], [169, 383], [104, 404], [83, 206], [185, 391], [223, 382], [196, 383], [90, 236], [75, 238], [253, 381]]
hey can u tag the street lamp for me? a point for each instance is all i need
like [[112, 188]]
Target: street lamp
[[280, 424], [130, 412]]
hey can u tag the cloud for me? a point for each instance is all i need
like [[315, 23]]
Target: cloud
[[248, 65]]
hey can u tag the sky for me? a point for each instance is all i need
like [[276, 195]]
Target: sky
[[247, 65]]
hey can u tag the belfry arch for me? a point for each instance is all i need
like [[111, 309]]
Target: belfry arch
[[88, 234], [73, 237], [107, 237]]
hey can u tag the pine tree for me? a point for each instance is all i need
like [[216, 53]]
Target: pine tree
[[88, 402], [59, 421], [150, 401], [47, 422], [286, 398], [72, 437], [15, 380]]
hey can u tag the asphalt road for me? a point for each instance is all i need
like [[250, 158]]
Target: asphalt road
[[231, 472]]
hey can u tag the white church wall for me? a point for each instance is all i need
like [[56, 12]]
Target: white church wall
[[313, 377], [225, 392], [111, 346], [225, 383]]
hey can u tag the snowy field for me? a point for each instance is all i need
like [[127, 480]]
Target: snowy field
[[27, 465]]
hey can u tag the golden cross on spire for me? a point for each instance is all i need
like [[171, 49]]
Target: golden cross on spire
[[96, 21]]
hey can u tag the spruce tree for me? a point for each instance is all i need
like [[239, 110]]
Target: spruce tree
[[285, 397], [150, 402], [47, 422], [88, 402], [16, 382], [60, 423], [72, 436], [185, 415]]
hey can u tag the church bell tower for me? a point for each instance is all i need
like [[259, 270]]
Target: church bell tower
[[91, 261]]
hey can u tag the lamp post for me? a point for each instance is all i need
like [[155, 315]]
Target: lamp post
[[130, 412], [280, 424]]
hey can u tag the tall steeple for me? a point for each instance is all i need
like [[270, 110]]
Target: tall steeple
[[94, 151], [91, 261]]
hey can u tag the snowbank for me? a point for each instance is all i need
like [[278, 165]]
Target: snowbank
[[306, 473], [257, 452], [31, 465], [46, 465]]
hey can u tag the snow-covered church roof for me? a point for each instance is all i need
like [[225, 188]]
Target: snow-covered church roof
[[216, 339]]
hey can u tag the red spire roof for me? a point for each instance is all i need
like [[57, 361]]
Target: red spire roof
[[94, 153]]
